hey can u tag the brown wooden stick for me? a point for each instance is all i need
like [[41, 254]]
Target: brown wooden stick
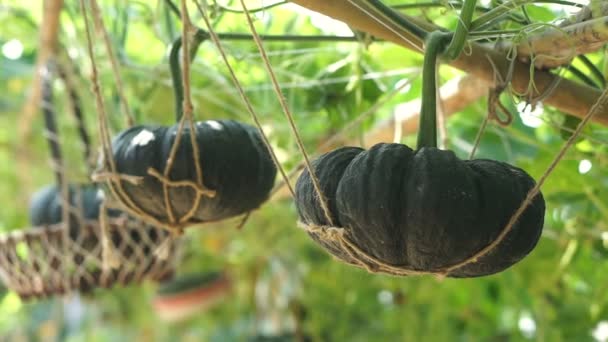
[[48, 43], [47, 47]]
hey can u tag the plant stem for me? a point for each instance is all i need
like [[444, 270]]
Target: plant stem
[[511, 5], [253, 10], [395, 17], [593, 69], [173, 8], [175, 68], [287, 38], [176, 78], [169, 21], [427, 132], [497, 12], [582, 76], [462, 30]]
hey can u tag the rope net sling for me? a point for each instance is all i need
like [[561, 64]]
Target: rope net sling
[[44, 261], [116, 181]]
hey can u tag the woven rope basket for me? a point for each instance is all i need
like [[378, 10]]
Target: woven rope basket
[[46, 261]]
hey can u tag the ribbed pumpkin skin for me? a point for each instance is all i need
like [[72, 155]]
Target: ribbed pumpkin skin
[[425, 210], [46, 204], [233, 159], [329, 169]]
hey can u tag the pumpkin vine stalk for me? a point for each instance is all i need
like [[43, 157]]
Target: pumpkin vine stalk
[[175, 69], [398, 19], [462, 30], [427, 128]]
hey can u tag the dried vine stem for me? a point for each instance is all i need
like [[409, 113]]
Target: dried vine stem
[[556, 46], [102, 118], [187, 109]]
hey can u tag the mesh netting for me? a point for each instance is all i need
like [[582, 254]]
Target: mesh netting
[[46, 261]]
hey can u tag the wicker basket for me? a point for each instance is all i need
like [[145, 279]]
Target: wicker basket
[[46, 261]]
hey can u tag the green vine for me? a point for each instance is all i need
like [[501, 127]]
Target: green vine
[[462, 30], [427, 128], [175, 69]]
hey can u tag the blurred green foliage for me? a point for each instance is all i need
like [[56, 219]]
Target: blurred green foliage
[[285, 285]]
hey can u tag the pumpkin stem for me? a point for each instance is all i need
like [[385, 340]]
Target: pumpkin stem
[[462, 30], [175, 68], [427, 128], [435, 45]]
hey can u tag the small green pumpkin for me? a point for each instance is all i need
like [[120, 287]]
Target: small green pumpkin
[[46, 209], [46, 204], [237, 169], [234, 161]]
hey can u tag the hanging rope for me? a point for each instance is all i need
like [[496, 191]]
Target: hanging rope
[[288, 115], [115, 70], [244, 97]]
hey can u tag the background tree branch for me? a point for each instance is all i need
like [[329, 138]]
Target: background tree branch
[[47, 47], [48, 43], [480, 61], [554, 47]]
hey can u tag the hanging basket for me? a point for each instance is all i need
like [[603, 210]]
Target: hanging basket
[[46, 261]]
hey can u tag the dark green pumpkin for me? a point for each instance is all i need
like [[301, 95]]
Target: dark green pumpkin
[[46, 210], [234, 162], [423, 210], [46, 204]]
